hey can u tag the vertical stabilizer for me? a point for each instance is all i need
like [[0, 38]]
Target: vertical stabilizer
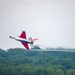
[[31, 42]]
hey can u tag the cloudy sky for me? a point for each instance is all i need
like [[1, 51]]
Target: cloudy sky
[[52, 21]]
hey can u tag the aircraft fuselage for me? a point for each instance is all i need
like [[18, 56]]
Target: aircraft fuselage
[[24, 41], [21, 39]]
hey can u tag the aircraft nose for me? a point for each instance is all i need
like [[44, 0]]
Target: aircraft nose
[[10, 36]]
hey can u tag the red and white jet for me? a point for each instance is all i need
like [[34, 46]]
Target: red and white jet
[[23, 39]]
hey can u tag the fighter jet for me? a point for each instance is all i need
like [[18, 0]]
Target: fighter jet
[[25, 42]]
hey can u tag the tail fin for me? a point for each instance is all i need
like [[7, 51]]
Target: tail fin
[[31, 42]]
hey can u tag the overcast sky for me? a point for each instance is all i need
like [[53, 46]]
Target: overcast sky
[[52, 21]]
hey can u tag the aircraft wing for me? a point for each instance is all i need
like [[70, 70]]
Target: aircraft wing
[[23, 35], [25, 45]]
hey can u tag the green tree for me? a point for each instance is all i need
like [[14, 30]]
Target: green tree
[[67, 63], [59, 72], [70, 72]]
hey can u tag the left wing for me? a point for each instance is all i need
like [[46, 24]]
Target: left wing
[[23, 35], [25, 45]]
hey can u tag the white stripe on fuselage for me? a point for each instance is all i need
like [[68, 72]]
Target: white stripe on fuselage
[[22, 40]]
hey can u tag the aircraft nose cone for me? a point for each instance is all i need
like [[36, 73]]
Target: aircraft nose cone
[[10, 36]]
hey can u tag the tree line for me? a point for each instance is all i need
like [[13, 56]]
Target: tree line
[[18, 61]]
